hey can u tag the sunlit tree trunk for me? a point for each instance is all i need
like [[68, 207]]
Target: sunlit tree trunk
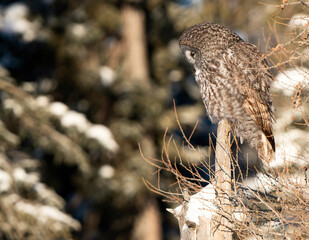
[[147, 225], [134, 43]]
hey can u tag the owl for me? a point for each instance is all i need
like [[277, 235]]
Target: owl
[[234, 81]]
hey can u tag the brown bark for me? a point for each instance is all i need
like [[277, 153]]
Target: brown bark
[[134, 43], [147, 225]]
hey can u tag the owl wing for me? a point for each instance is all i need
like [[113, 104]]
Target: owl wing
[[260, 114], [251, 72]]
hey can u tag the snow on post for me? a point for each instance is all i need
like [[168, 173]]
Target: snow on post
[[195, 214]]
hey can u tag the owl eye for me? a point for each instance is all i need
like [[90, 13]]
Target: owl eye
[[192, 54]]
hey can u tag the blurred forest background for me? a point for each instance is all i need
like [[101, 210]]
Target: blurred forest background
[[85, 83]]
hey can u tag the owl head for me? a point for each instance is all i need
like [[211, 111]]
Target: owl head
[[206, 41]]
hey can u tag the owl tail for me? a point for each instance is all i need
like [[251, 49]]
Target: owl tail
[[266, 149]]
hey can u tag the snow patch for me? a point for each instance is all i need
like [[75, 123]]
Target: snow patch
[[29, 87], [15, 21], [79, 30], [13, 105], [20, 175], [5, 181], [107, 76], [299, 20], [46, 214], [98, 132], [104, 136], [75, 119], [287, 80], [58, 109], [288, 151], [261, 182], [107, 171], [201, 204], [42, 101]]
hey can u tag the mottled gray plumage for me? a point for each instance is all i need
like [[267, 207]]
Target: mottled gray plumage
[[234, 81]]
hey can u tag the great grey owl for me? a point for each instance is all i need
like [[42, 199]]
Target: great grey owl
[[234, 81]]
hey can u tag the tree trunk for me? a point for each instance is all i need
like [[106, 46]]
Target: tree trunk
[[147, 224], [134, 43]]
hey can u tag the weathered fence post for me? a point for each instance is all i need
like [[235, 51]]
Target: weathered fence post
[[223, 186], [207, 214]]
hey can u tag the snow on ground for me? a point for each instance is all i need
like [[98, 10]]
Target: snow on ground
[[288, 150]]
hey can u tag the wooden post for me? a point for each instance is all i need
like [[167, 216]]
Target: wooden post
[[223, 186], [206, 214]]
